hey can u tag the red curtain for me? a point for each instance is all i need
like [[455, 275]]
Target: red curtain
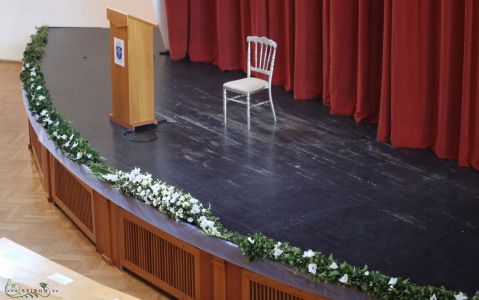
[[410, 66]]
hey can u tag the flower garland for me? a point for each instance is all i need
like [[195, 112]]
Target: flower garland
[[181, 206], [39, 100], [166, 198]]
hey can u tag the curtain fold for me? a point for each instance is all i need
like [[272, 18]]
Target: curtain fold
[[469, 137], [410, 66], [177, 15]]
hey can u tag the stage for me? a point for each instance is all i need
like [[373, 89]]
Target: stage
[[316, 180]]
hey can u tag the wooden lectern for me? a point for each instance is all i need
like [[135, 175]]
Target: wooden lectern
[[132, 79]]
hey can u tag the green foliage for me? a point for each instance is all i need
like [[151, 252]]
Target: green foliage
[[178, 205], [61, 131]]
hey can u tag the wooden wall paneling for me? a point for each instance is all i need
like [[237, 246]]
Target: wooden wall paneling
[[41, 157], [74, 197], [29, 126], [101, 208], [116, 235], [219, 279], [34, 144], [205, 279], [36, 148], [168, 263], [47, 183], [233, 282]]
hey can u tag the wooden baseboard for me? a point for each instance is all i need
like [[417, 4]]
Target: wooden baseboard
[[10, 61]]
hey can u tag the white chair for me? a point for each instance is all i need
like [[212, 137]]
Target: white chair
[[261, 54]]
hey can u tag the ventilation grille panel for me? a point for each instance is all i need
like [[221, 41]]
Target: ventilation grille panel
[[157, 256]]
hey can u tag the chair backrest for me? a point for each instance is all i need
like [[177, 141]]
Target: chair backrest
[[261, 54]]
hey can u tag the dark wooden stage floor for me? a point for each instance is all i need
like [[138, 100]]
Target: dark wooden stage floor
[[316, 180]]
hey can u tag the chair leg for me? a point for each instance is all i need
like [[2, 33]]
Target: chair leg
[[224, 105], [248, 107], [271, 102]]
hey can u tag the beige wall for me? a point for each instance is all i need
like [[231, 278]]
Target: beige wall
[[19, 18]]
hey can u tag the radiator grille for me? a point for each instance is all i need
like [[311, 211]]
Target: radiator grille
[[73, 195], [260, 291], [170, 264]]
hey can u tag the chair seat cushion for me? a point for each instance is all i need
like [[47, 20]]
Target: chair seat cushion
[[246, 85]]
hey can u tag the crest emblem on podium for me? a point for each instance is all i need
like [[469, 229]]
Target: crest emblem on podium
[[119, 51]]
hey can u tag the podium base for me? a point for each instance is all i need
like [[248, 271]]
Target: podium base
[[133, 125]]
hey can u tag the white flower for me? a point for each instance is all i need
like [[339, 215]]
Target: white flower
[[366, 273], [33, 73], [433, 297], [44, 112], [155, 188], [277, 251], [190, 219], [344, 279], [333, 266], [79, 155], [207, 225], [392, 282], [64, 136], [89, 155], [460, 296], [27, 65], [66, 145], [39, 87], [309, 253], [41, 97], [132, 176], [74, 145], [312, 268], [250, 240], [111, 177], [195, 209]]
